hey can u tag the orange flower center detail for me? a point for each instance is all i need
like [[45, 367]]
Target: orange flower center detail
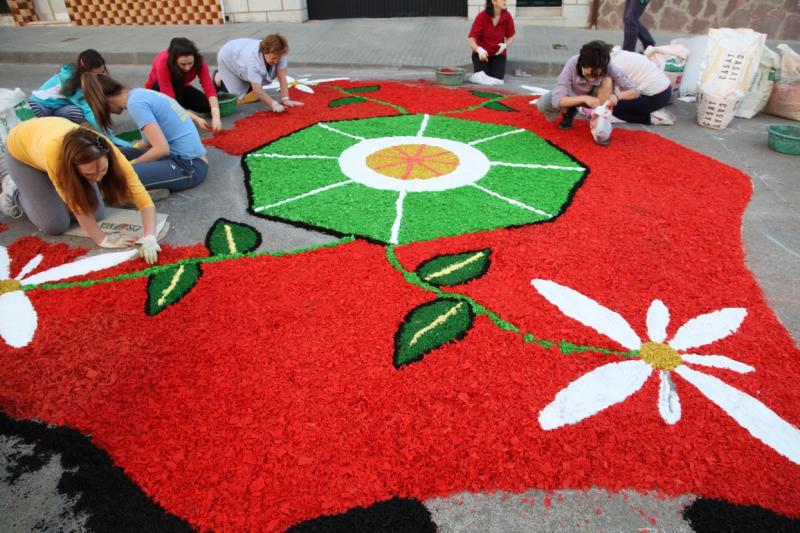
[[413, 161], [660, 355], [9, 285]]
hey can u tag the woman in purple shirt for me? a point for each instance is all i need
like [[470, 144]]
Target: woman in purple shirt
[[588, 79]]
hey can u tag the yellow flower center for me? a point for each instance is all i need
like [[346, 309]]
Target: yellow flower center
[[660, 355], [9, 285], [413, 161]]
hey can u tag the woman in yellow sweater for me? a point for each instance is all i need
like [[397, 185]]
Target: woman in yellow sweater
[[60, 169]]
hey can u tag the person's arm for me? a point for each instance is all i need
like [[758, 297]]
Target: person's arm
[[211, 93], [258, 90], [561, 96], [285, 100], [216, 121], [114, 240], [159, 147], [474, 34]]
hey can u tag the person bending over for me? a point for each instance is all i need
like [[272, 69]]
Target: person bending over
[[655, 89]]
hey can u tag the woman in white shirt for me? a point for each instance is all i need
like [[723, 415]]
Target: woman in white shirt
[[654, 87]]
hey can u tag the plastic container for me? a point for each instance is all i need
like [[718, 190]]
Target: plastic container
[[227, 104], [784, 138], [715, 112], [450, 75]]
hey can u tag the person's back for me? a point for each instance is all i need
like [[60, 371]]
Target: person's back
[[647, 76], [146, 106]]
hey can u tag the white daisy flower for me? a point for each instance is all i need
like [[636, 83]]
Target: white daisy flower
[[301, 84], [614, 382], [18, 318]]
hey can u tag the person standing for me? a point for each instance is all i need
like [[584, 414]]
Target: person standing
[[489, 38], [634, 29], [172, 73]]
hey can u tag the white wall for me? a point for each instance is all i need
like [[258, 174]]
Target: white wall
[[265, 10]]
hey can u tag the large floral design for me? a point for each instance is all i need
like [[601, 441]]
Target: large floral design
[[18, 317], [612, 383], [412, 177]]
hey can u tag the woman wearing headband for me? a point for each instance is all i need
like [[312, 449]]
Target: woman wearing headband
[[60, 170]]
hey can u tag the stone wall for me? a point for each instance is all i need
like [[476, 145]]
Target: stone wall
[[779, 19]]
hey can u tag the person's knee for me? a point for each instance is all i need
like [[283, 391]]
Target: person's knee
[[53, 225]]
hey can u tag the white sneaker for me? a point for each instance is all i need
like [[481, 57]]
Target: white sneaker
[[7, 203], [662, 117]]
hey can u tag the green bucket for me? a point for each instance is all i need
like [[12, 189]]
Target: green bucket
[[227, 104], [450, 75], [784, 138]]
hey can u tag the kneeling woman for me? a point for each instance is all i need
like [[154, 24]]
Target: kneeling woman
[[174, 157], [60, 169]]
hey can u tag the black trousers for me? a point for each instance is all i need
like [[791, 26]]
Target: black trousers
[[638, 111], [189, 97], [495, 67]]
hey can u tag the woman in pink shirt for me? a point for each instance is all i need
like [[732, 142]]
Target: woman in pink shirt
[[491, 33], [172, 73]]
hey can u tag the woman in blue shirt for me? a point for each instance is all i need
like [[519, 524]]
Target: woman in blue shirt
[[173, 158]]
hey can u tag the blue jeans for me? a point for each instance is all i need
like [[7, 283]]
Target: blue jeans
[[173, 172]]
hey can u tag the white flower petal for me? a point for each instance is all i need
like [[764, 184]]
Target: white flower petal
[[752, 415], [717, 361], [30, 266], [304, 88], [657, 321], [5, 262], [17, 319], [588, 312], [81, 267], [593, 392], [669, 404], [708, 328]]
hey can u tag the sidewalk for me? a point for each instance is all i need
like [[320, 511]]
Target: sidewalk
[[400, 43]]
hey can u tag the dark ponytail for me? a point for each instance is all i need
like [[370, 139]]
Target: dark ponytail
[[88, 60], [179, 47], [489, 8], [96, 89]]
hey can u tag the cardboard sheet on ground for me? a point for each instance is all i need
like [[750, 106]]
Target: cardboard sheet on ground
[[126, 221]]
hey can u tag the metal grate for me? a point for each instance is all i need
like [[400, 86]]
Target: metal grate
[[539, 3], [337, 9]]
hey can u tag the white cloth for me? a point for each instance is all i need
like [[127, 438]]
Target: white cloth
[[644, 73], [484, 79], [240, 63]]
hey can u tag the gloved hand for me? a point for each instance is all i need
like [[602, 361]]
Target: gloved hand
[[291, 103], [149, 249], [278, 107], [116, 240], [483, 55], [502, 49]]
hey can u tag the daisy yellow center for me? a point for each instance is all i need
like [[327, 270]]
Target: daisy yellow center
[[9, 285], [660, 355], [413, 161]]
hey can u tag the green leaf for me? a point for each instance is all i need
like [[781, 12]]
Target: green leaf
[[498, 106], [227, 237], [168, 286], [346, 101], [365, 89], [428, 327], [481, 94], [454, 269]]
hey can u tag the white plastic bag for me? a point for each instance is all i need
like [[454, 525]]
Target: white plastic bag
[[671, 58], [691, 71], [601, 125], [731, 61], [8, 119], [757, 95], [484, 79], [785, 98]]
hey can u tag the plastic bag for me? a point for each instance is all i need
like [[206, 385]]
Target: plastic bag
[[731, 61], [600, 124], [785, 98], [9, 101], [671, 58], [691, 70], [757, 95], [484, 79]]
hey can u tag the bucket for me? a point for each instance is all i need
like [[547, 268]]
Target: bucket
[[716, 112], [450, 75], [227, 104], [784, 138]]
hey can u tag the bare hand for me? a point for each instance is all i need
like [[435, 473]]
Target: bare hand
[[216, 125], [591, 101], [202, 124], [291, 103], [612, 101]]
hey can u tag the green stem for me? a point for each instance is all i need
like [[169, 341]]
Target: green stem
[[477, 106], [191, 260], [400, 109], [565, 347]]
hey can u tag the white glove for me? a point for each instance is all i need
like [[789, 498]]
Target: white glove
[[149, 249], [483, 55], [116, 240], [502, 49], [277, 107]]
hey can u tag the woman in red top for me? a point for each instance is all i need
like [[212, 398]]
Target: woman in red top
[[172, 73], [491, 33]]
